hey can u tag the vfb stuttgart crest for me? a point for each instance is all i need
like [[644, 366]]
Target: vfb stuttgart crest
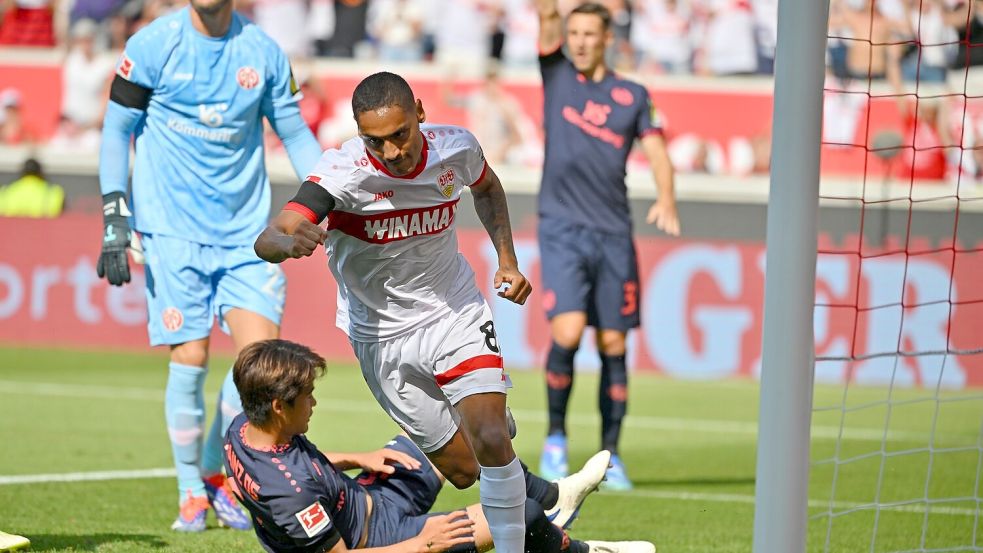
[[445, 182], [247, 77]]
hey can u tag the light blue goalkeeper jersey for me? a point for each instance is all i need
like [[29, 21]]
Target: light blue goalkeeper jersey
[[199, 173]]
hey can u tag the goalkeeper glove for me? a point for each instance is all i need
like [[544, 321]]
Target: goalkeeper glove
[[113, 264]]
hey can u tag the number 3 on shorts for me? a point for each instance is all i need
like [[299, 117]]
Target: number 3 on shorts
[[488, 329]]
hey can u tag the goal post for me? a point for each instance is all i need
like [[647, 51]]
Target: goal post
[[788, 353]]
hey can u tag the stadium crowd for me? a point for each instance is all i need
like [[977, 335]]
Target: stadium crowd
[[712, 37], [897, 42]]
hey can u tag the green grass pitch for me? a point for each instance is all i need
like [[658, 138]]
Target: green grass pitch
[[689, 446]]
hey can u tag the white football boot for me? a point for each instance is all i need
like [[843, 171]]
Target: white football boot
[[576, 487]]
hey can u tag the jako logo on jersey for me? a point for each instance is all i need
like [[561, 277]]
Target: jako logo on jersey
[[445, 182], [379, 196], [622, 96], [313, 519], [172, 318], [125, 66], [247, 77]]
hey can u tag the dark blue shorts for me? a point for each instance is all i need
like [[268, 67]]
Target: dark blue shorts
[[400, 501], [590, 271]]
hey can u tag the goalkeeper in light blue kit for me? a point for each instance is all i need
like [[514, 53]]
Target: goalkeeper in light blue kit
[[193, 88]]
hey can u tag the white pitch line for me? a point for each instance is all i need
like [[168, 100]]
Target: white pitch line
[[813, 503], [670, 424], [635, 494], [86, 476]]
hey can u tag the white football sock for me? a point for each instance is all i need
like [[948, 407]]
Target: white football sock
[[503, 500]]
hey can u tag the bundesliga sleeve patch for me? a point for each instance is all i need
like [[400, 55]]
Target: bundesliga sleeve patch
[[313, 519], [125, 66]]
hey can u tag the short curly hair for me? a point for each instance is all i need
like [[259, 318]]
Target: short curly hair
[[381, 90]]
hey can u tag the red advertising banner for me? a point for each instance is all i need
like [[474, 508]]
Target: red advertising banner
[[701, 305]]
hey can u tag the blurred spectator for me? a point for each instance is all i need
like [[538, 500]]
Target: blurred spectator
[[932, 26], [321, 24], [27, 23], [870, 50], [660, 35], [313, 104], [96, 10], [285, 21], [85, 87], [463, 39], [493, 116], [970, 35], [766, 33], [351, 17], [31, 195], [924, 128], [620, 55], [520, 24], [397, 26], [728, 46], [13, 129]]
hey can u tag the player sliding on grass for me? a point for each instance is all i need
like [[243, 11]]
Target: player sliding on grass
[[301, 501], [407, 299]]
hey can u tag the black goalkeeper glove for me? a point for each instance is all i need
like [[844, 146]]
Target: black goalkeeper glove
[[113, 264]]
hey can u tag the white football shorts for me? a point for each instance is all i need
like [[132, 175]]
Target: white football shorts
[[419, 377]]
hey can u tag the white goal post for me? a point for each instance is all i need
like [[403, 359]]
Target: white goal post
[[788, 354]]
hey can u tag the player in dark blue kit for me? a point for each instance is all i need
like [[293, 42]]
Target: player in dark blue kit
[[592, 118], [300, 500]]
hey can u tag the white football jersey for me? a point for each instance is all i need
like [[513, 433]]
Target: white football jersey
[[391, 242]]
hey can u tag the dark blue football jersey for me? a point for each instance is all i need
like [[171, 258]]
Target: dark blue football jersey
[[298, 500], [590, 128]]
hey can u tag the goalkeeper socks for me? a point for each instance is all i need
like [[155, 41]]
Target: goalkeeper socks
[[502, 491], [229, 406], [559, 382], [540, 490], [184, 410], [613, 399]]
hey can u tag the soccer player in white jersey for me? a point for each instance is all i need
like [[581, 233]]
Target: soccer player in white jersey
[[407, 298]]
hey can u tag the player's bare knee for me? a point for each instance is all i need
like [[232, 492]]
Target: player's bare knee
[[464, 476], [567, 340], [193, 353], [611, 342], [492, 445], [567, 329]]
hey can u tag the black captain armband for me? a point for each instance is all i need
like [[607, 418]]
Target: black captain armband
[[129, 94], [315, 198]]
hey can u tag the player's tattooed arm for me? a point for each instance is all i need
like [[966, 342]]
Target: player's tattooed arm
[[493, 210]]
